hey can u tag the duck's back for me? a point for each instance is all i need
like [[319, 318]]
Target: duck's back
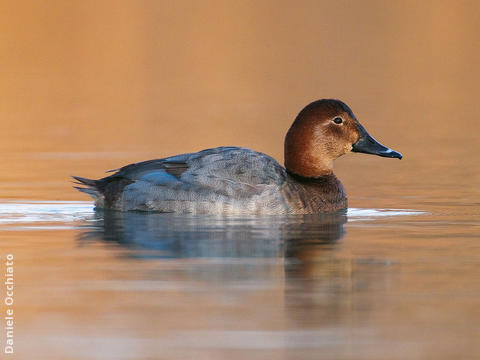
[[224, 180]]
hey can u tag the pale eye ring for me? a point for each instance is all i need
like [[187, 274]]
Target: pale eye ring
[[338, 120]]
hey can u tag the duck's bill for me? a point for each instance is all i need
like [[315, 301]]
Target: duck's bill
[[368, 145]]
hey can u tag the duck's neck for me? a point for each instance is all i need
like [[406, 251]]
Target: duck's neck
[[309, 170], [304, 156], [308, 164]]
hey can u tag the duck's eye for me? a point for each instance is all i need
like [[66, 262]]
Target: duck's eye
[[338, 120]]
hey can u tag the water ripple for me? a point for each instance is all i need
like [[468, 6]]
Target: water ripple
[[39, 213]]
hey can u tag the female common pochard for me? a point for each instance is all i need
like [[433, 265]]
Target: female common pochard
[[235, 180]]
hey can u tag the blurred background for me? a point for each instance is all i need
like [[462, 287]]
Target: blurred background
[[88, 86], [109, 82]]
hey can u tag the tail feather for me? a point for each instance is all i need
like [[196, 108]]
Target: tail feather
[[84, 181], [90, 189], [92, 192]]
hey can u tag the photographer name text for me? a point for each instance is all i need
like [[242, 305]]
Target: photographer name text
[[9, 318]]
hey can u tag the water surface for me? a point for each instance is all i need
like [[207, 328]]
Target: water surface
[[365, 283], [90, 85]]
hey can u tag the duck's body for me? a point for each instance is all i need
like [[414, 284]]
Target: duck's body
[[223, 180], [233, 180]]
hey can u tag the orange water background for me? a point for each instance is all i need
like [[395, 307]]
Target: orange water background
[[156, 78], [88, 86]]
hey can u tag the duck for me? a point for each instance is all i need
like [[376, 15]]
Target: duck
[[239, 181]]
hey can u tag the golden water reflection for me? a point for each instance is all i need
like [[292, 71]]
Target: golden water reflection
[[89, 86]]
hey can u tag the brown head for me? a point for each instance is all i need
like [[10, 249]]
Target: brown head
[[323, 131]]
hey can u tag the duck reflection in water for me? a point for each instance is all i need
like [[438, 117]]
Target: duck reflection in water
[[190, 236], [299, 258]]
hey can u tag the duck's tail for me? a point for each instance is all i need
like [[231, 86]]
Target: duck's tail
[[91, 189]]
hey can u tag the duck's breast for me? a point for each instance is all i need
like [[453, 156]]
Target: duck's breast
[[314, 195]]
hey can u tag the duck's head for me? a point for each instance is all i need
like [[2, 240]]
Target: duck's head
[[323, 131]]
